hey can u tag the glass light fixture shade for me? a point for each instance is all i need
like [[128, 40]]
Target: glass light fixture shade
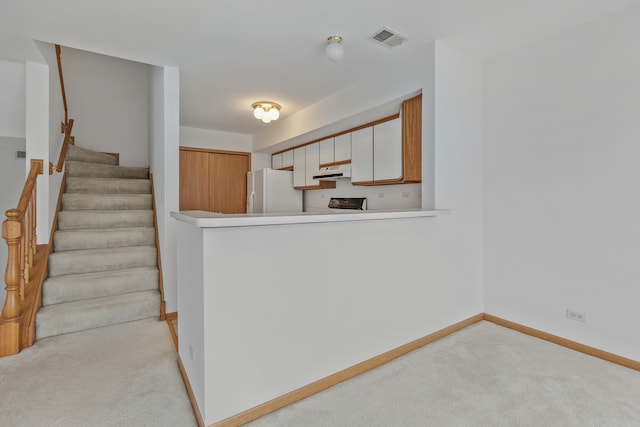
[[274, 114], [258, 113], [266, 118], [334, 49]]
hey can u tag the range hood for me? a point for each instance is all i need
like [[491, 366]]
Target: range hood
[[333, 173]]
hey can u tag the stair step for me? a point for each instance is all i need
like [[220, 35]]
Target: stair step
[[73, 220], [76, 287], [97, 170], [95, 260], [77, 201], [76, 316], [80, 154], [72, 240], [85, 185]]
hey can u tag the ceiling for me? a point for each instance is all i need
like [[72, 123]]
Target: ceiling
[[233, 52]]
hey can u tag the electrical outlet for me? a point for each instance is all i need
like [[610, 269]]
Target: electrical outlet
[[405, 194], [191, 351], [576, 315], [381, 195]]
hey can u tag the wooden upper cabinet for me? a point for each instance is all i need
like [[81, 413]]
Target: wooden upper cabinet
[[212, 180], [412, 139]]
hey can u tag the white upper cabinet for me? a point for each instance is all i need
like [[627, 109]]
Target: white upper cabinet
[[326, 151], [287, 159], [276, 161], [387, 150], [299, 167], [312, 164], [362, 155], [342, 148]]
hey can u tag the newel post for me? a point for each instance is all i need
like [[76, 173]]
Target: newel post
[[12, 233]]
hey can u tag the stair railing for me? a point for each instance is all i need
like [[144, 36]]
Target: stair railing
[[19, 230], [27, 261]]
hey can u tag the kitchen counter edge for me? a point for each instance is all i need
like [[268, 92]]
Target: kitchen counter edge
[[204, 219]]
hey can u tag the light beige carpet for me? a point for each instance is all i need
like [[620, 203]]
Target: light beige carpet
[[121, 375], [484, 375]]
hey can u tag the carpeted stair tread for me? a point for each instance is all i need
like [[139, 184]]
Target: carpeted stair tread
[[97, 170], [86, 185], [76, 287], [77, 201], [83, 219], [72, 240], [75, 153], [95, 260], [75, 316]]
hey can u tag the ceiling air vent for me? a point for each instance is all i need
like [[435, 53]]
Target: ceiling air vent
[[388, 38]]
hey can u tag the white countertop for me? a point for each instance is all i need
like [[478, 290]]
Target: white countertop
[[204, 219]]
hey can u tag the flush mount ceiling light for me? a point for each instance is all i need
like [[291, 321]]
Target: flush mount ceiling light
[[334, 49], [266, 110]]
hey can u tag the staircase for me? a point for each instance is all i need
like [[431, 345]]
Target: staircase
[[103, 267]]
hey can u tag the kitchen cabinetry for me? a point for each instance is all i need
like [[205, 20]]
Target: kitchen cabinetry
[[306, 162], [362, 155], [282, 160], [342, 148], [276, 161], [326, 152], [391, 153], [213, 181]]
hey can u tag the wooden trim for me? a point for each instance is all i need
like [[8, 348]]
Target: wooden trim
[[412, 139], [591, 351], [64, 95], [330, 381], [288, 168], [163, 303], [171, 316], [366, 125], [65, 145], [208, 150], [341, 162], [322, 186], [116, 155], [174, 333], [192, 398]]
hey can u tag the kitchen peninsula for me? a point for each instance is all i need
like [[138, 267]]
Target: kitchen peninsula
[[270, 303]]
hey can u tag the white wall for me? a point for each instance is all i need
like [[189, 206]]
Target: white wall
[[285, 322], [10, 190], [37, 140], [164, 130], [214, 140], [109, 99], [12, 138], [561, 184], [12, 101]]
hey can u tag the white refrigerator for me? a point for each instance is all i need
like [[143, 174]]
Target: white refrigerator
[[271, 191]]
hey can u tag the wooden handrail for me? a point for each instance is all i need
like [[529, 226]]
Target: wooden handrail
[[65, 145], [64, 95], [19, 230]]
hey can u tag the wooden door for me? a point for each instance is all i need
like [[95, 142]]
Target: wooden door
[[194, 180], [228, 182]]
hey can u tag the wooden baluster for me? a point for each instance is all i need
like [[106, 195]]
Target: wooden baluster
[[26, 237], [34, 222], [11, 232], [21, 260]]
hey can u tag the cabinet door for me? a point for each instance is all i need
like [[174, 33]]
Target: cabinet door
[[228, 183], [387, 150], [362, 155], [287, 159], [326, 151], [194, 181], [299, 167], [312, 164], [276, 161], [342, 148]]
